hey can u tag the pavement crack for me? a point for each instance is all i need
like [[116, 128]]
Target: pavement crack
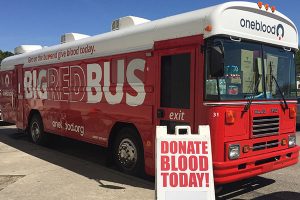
[[6, 180]]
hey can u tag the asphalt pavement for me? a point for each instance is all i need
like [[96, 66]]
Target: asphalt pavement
[[70, 169]]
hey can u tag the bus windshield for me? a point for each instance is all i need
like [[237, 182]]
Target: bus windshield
[[251, 70]]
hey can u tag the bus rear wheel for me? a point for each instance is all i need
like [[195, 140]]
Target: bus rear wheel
[[36, 130], [128, 152]]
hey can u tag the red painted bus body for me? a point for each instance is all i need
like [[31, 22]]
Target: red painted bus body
[[92, 99]]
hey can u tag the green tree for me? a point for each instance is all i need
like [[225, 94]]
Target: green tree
[[4, 54], [297, 58]]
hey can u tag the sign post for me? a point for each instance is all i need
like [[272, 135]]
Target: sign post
[[184, 164]]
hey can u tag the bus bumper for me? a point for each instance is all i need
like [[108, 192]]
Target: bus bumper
[[227, 172]]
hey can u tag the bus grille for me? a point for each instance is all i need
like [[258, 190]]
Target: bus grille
[[265, 145], [265, 126]]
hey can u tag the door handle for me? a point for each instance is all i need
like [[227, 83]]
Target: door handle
[[160, 113]]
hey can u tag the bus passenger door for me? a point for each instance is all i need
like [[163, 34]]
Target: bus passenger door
[[175, 97], [19, 95]]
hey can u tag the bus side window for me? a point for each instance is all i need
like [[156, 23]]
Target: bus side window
[[175, 81]]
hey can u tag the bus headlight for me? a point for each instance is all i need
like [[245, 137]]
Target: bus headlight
[[292, 140], [234, 151]]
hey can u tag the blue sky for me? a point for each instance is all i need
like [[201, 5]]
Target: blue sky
[[43, 22]]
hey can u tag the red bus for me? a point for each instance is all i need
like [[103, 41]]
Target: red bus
[[230, 66]]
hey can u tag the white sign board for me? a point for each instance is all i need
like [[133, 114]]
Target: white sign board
[[184, 164]]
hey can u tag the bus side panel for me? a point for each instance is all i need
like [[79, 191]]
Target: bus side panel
[[67, 110], [7, 95]]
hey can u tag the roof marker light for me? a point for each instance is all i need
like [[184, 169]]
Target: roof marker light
[[273, 8], [260, 4], [208, 28], [267, 7]]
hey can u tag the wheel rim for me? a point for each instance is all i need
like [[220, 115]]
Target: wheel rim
[[35, 131], [127, 154]]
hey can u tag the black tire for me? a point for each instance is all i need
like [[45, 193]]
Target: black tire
[[36, 130], [128, 153]]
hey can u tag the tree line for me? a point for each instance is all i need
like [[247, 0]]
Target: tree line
[[297, 60], [5, 54]]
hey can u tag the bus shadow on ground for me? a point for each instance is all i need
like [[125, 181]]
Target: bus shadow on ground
[[2, 123], [91, 162], [231, 190], [297, 127], [280, 196]]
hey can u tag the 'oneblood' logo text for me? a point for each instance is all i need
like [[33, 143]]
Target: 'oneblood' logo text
[[88, 84], [277, 30]]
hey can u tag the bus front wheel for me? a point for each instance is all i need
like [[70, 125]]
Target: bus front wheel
[[36, 130], [128, 152]]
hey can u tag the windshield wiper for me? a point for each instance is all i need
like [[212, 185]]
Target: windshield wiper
[[273, 78], [251, 97], [285, 104]]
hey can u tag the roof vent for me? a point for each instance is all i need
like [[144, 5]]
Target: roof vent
[[26, 49], [69, 37], [127, 21]]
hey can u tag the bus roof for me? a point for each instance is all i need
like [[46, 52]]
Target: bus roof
[[237, 19]]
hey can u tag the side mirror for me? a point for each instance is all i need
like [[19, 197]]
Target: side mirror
[[216, 62]]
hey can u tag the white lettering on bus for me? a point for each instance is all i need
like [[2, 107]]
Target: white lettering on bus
[[77, 80], [75, 83], [53, 84], [65, 83], [94, 76], [28, 84], [135, 82], [34, 84], [118, 96], [7, 80], [42, 85], [176, 115]]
